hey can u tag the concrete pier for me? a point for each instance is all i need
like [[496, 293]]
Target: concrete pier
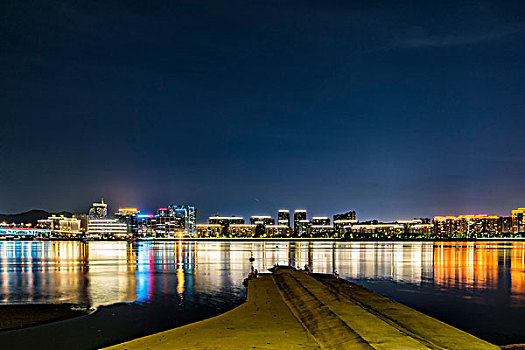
[[291, 309]]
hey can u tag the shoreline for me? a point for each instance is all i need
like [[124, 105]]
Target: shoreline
[[17, 316]]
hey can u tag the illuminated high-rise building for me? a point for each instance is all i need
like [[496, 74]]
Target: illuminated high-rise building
[[466, 226], [128, 216], [320, 227], [262, 220], [505, 225], [98, 210], [225, 220], [320, 221], [188, 214], [107, 228], [299, 217], [283, 218], [518, 221], [346, 216]]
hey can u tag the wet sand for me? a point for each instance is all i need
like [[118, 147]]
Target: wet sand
[[25, 315]]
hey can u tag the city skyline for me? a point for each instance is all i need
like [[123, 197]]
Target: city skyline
[[204, 214], [176, 221]]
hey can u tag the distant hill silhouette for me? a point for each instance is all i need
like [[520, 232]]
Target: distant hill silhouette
[[31, 216]]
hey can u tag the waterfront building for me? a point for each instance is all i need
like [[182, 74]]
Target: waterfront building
[[416, 228], [165, 224], [518, 221], [466, 226], [320, 221], [51, 223], [84, 221], [171, 221], [188, 214], [377, 230], [505, 225], [350, 215], [61, 225], [145, 227], [342, 226], [344, 221], [98, 210], [107, 228], [226, 220], [128, 216], [420, 230], [283, 217], [71, 225], [208, 230], [262, 220], [302, 228], [277, 231], [325, 231], [444, 226], [299, 228], [241, 230]]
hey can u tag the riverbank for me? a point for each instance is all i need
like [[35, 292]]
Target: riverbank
[[290, 309], [25, 315]]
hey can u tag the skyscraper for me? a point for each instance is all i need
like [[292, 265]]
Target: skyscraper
[[128, 216], [262, 219], [350, 215], [321, 221], [98, 210], [518, 221], [188, 214], [283, 217], [299, 218], [344, 221]]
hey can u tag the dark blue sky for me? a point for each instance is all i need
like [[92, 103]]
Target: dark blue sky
[[396, 110]]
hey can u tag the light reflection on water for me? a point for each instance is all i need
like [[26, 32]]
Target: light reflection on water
[[461, 274], [101, 273]]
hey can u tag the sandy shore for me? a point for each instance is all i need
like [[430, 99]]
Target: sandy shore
[[290, 309], [24, 315]]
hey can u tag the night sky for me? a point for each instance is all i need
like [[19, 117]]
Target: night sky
[[395, 110]]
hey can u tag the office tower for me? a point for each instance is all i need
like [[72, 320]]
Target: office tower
[[98, 210], [505, 225], [128, 216], [466, 226], [225, 220], [106, 228], [173, 221], [320, 221], [518, 221], [262, 220], [298, 216], [188, 216], [283, 218], [346, 216]]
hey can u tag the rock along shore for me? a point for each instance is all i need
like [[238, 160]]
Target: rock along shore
[[291, 309]]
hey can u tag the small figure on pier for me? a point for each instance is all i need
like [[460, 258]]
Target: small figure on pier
[[307, 269], [336, 274], [253, 271]]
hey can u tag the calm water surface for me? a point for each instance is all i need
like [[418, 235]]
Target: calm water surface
[[142, 288]]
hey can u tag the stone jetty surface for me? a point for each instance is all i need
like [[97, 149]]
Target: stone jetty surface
[[292, 309]]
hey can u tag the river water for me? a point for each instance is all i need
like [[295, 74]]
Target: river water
[[146, 287]]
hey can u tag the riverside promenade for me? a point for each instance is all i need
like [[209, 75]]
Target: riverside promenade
[[291, 309]]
